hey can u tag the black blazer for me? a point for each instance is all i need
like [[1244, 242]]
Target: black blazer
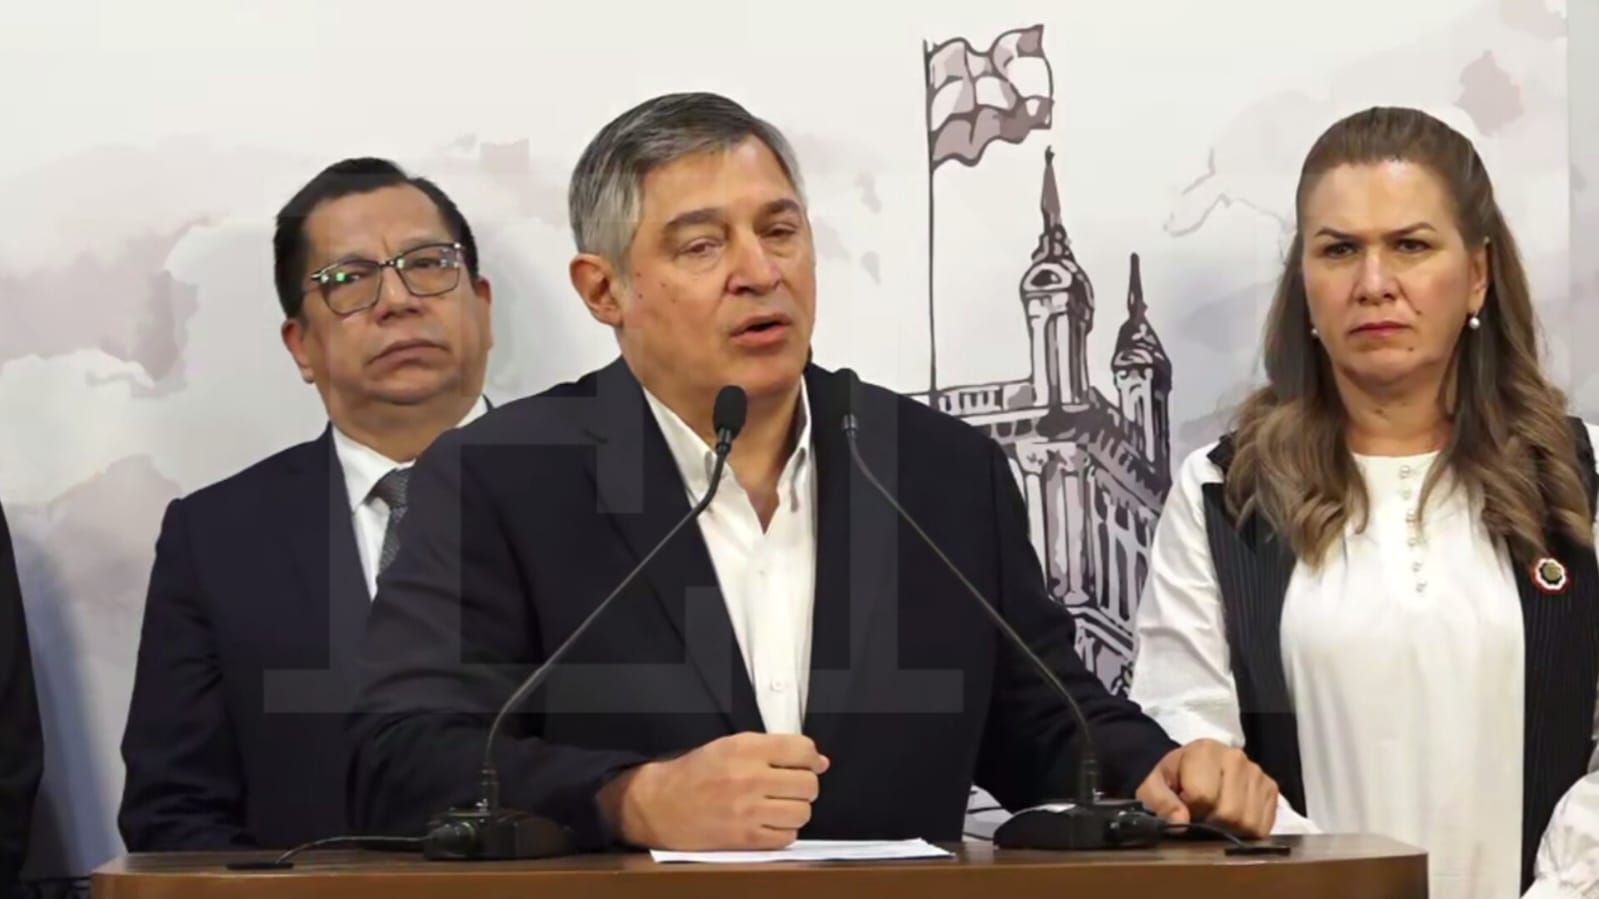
[[22, 747], [255, 606], [522, 522]]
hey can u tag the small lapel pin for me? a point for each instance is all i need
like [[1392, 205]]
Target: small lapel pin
[[1549, 574]]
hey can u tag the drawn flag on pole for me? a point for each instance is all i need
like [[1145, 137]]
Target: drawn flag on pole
[[975, 98]]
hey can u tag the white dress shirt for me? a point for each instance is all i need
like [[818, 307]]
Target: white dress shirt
[[363, 467], [767, 576], [1404, 657]]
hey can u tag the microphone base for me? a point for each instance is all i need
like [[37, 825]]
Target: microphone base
[[1070, 827], [476, 834]]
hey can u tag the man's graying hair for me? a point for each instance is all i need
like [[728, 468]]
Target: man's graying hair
[[606, 194]]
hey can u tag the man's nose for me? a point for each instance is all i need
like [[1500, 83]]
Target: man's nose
[[754, 269]]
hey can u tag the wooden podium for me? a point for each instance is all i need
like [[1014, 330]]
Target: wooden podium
[[1319, 866]]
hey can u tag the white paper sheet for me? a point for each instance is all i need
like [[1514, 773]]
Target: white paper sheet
[[815, 851]]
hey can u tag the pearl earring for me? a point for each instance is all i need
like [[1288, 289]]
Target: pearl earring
[[1314, 334], [1474, 322]]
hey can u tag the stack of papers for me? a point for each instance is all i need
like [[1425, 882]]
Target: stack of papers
[[815, 851]]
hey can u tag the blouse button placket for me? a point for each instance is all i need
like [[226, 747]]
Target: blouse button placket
[[1414, 542]]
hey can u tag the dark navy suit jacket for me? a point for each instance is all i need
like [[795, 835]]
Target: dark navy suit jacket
[[256, 605], [22, 747], [521, 522]]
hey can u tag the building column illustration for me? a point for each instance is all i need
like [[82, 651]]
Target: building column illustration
[[1075, 353], [1031, 465], [1044, 373], [1055, 355], [1093, 533], [1025, 470], [1057, 505], [1036, 519], [1130, 575], [1075, 532], [1078, 530], [1124, 567]]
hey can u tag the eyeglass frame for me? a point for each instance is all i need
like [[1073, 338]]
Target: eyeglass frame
[[316, 277]]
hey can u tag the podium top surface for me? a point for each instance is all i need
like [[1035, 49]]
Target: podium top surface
[[1339, 865]]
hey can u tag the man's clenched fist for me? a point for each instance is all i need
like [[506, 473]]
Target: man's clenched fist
[[1209, 781], [747, 791]]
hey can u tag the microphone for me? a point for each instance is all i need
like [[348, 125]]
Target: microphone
[[1088, 821], [488, 832]]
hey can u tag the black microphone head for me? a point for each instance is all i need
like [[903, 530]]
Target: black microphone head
[[848, 385], [728, 415]]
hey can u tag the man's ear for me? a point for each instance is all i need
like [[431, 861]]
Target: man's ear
[[483, 289], [485, 292], [296, 335], [597, 284]]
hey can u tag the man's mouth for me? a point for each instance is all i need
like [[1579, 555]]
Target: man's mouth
[[404, 345], [760, 325]]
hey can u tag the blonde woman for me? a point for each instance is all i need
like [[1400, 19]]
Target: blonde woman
[[1382, 583]]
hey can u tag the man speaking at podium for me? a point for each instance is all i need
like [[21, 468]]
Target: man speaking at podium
[[796, 662]]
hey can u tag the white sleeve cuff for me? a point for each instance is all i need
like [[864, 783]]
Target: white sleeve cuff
[[1290, 822]]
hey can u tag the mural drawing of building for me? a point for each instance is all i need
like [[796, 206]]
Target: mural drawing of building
[[1094, 467]]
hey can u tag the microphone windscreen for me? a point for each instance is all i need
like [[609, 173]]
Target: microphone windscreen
[[731, 406], [846, 383]]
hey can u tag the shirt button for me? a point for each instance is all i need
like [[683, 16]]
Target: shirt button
[[1404, 471], [1421, 586], [779, 685], [1411, 542], [1415, 566]]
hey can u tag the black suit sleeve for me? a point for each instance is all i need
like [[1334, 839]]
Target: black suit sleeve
[[22, 749], [451, 634], [1030, 744], [184, 787]]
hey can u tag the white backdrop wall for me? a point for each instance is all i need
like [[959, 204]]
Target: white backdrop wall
[[1583, 85], [147, 146]]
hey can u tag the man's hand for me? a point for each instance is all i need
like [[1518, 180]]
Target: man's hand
[[747, 791], [1213, 783]]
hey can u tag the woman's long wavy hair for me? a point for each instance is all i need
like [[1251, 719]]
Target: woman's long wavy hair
[[1510, 443]]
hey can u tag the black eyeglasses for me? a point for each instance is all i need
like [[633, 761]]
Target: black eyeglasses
[[354, 285]]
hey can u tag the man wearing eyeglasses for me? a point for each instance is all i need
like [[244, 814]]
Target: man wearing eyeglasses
[[262, 582]]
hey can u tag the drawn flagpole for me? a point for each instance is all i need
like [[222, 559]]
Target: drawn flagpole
[[932, 135], [973, 99]]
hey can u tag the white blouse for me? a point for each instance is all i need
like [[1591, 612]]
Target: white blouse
[[1404, 660]]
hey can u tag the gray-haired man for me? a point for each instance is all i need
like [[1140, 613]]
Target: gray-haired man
[[797, 664]]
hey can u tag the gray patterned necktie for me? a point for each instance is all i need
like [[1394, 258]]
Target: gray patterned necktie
[[391, 489]]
